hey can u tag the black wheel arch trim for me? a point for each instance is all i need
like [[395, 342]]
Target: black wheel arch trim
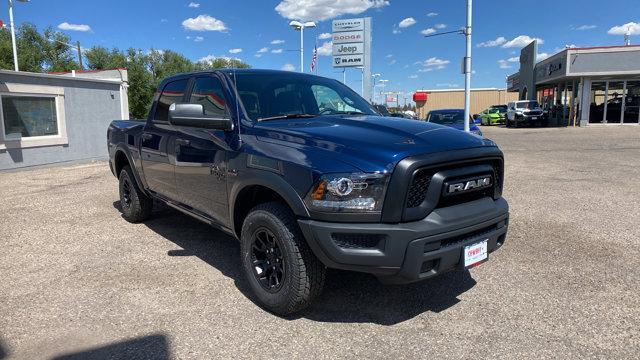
[[271, 181], [134, 169]]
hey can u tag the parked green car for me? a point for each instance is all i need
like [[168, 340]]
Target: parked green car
[[493, 115]]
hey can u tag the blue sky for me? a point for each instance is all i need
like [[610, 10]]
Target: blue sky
[[256, 31]]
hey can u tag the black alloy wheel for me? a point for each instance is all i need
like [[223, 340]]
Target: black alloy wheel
[[126, 193], [268, 262]]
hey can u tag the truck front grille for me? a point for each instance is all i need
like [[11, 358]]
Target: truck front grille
[[422, 179]]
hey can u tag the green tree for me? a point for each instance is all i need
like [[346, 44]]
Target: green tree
[[58, 55]]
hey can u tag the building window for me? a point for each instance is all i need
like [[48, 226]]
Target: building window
[[29, 116], [32, 116]]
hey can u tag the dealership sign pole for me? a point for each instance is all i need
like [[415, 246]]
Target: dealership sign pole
[[352, 48], [467, 69]]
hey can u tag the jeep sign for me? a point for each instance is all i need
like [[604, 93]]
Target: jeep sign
[[348, 49]]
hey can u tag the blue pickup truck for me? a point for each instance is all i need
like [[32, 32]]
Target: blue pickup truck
[[308, 176]]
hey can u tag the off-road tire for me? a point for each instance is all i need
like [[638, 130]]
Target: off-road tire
[[136, 205], [304, 274]]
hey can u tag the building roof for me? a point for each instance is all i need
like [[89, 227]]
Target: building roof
[[56, 76], [451, 90]]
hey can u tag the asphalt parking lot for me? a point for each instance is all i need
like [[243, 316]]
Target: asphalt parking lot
[[78, 281]]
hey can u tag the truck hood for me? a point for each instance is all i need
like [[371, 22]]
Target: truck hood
[[370, 143]]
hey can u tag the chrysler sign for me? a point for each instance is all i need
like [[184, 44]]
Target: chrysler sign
[[347, 25], [348, 49]]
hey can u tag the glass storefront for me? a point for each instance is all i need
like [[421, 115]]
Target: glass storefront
[[632, 103], [615, 102]]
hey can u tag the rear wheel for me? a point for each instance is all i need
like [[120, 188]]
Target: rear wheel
[[281, 269], [136, 206]]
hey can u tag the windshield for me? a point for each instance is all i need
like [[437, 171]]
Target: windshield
[[268, 96], [527, 105], [446, 118]]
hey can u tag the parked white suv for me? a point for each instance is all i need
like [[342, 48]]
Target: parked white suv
[[524, 112]]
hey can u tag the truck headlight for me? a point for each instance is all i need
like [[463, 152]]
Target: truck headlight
[[349, 193]]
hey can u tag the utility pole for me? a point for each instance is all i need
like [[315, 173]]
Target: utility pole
[[79, 55], [13, 36], [467, 68]]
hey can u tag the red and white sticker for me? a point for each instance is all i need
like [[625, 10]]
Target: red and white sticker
[[475, 253]]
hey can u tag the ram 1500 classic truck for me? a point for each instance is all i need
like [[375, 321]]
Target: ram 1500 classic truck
[[308, 176]]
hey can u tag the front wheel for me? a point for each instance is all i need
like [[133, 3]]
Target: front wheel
[[281, 269]]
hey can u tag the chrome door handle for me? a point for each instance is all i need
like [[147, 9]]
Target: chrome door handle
[[183, 142], [146, 136]]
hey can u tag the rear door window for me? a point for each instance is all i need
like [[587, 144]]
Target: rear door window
[[173, 92]]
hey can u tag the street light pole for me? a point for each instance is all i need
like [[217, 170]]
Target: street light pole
[[13, 36], [467, 68], [302, 48], [298, 25]]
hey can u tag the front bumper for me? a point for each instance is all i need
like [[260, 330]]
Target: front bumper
[[412, 251]]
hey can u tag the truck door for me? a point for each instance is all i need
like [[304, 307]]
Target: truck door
[[201, 154], [157, 143]]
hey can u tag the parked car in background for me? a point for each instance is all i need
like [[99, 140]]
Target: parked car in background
[[307, 176], [453, 118], [525, 112], [382, 110], [402, 115], [493, 115]]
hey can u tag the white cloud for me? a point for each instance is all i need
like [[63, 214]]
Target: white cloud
[[396, 30], [432, 14], [414, 76], [541, 56], [449, 85], [263, 50], [277, 42], [198, 39], [204, 23], [632, 27], [74, 27], [164, 20], [326, 49], [440, 26], [513, 59], [434, 61], [428, 31], [389, 56], [210, 58], [407, 22], [392, 62], [324, 36], [504, 64], [288, 67], [521, 41], [493, 43], [258, 55], [276, 51], [585, 27], [425, 70], [194, 5], [319, 10], [235, 51]]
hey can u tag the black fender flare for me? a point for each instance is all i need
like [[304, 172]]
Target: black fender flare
[[134, 166], [272, 181]]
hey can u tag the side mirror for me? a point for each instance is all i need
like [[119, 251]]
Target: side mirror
[[193, 115]]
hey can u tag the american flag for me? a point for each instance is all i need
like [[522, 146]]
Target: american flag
[[315, 58]]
